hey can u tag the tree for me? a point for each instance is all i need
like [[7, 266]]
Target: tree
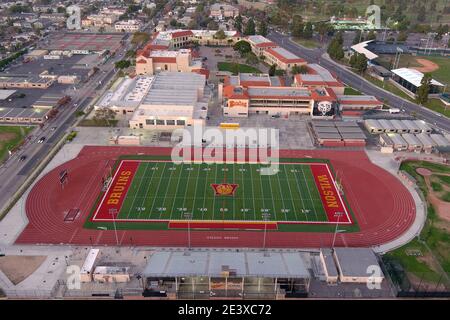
[[243, 47], [212, 25], [402, 36], [308, 31], [250, 28], [323, 29], [220, 35], [358, 37], [297, 26], [262, 28], [272, 70], [358, 61], [238, 23], [103, 115], [424, 89], [335, 47], [122, 64], [251, 58]]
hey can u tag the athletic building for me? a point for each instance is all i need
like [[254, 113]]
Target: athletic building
[[410, 79], [247, 94], [235, 275], [165, 101]]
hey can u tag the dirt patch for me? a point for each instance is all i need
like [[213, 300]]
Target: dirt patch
[[424, 172], [427, 65], [18, 268], [7, 136], [442, 207]]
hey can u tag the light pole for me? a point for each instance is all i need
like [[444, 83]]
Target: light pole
[[265, 216], [338, 214], [112, 212], [188, 216]]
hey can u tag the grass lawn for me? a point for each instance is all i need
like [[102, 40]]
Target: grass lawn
[[434, 235], [438, 106], [236, 68], [98, 123], [408, 61], [11, 137], [352, 92], [307, 43]]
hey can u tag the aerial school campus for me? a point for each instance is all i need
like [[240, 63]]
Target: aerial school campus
[[308, 178]]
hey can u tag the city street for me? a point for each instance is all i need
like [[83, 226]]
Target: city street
[[359, 83]]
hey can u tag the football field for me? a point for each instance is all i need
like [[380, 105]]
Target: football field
[[201, 194]]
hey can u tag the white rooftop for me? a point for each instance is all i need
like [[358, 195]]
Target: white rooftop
[[413, 76], [361, 48]]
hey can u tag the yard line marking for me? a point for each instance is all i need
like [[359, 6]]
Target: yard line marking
[[281, 191], [157, 188], [146, 193], [214, 200], [253, 192], [300, 192], [185, 191], [309, 192], [136, 193], [176, 189], [195, 192], [204, 193]]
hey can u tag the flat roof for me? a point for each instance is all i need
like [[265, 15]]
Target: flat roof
[[355, 261], [5, 94], [440, 140], [258, 39], [282, 92], [213, 264], [413, 76], [361, 48], [88, 264], [330, 265]]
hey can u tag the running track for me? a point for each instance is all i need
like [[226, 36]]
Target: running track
[[383, 207]]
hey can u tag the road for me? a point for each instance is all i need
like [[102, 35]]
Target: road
[[355, 81], [13, 172]]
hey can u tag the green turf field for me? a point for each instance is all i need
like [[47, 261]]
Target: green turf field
[[166, 191]]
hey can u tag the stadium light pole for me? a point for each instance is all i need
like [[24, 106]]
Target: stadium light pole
[[188, 216], [265, 216], [112, 211], [339, 214]]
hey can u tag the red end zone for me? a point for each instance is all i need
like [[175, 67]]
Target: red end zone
[[112, 201], [331, 199]]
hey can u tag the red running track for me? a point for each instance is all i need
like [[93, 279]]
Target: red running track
[[383, 207]]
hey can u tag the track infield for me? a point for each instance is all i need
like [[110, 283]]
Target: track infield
[[221, 195]]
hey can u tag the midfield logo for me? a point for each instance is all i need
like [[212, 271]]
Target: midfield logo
[[224, 189]]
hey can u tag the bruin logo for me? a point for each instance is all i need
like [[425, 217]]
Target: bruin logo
[[324, 107]]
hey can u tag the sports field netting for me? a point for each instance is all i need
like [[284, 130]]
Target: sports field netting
[[147, 190]]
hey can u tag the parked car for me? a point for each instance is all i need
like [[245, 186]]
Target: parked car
[[22, 158], [41, 140]]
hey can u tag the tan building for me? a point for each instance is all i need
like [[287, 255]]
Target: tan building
[[357, 265], [25, 82], [282, 58], [220, 11], [318, 76], [167, 100], [259, 44], [149, 62], [247, 94]]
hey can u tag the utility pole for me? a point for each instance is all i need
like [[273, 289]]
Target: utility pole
[[338, 214], [113, 212]]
